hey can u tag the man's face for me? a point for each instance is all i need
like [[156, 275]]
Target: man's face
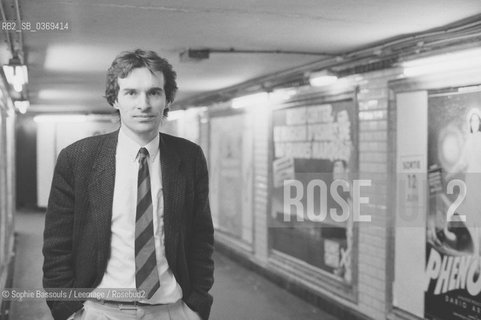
[[141, 102]]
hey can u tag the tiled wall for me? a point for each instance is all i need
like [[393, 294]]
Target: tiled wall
[[261, 184], [373, 164]]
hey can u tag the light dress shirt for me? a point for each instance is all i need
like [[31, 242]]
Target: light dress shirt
[[120, 272]]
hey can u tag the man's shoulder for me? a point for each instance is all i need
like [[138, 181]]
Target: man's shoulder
[[89, 144], [178, 143], [183, 149]]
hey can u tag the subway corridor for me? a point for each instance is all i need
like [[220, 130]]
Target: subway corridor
[[239, 294]]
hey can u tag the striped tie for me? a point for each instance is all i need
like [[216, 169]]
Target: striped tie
[[146, 275]]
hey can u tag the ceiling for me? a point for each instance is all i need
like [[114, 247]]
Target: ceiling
[[67, 68]]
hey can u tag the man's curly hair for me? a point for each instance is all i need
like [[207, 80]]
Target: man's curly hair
[[126, 61]]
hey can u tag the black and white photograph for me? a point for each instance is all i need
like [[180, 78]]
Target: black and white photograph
[[240, 160]]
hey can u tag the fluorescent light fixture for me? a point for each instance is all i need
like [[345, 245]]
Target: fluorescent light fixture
[[466, 59], [279, 95], [17, 75], [175, 115], [322, 78], [250, 100], [63, 94], [22, 105], [60, 118]]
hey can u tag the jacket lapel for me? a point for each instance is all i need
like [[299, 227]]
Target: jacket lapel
[[173, 185], [101, 192]]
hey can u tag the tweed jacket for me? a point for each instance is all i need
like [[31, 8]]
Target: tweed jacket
[[77, 232]]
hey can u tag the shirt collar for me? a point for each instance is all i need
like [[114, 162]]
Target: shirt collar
[[131, 148]]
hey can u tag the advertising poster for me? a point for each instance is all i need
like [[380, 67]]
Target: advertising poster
[[313, 146], [232, 175], [453, 281]]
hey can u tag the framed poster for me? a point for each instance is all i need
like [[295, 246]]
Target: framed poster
[[453, 271], [231, 175], [314, 147]]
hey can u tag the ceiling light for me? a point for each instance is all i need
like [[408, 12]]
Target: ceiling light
[[63, 94], [322, 78], [60, 118], [250, 100], [443, 63], [279, 95], [16, 74], [22, 105]]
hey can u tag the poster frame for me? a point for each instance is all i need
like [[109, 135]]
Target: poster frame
[[447, 81], [221, 235], [320, 279]]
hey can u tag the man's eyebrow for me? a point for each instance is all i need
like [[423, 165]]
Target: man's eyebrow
[[156, 90], [149, 89]]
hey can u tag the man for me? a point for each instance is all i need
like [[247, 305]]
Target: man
[[130, 209]]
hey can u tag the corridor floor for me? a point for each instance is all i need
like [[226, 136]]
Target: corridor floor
[[239, 294]]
